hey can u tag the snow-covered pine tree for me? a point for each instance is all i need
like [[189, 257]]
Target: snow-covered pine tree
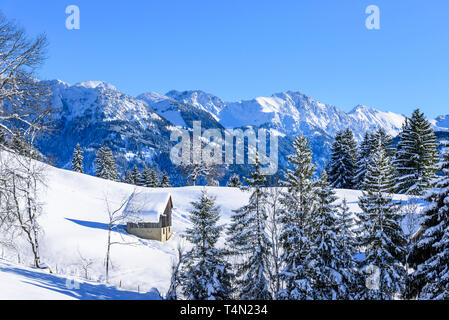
[[365, 151], [146, 177], [343, 159], [297, 201], [328, 261], [416, 156], [134, 176], [24, 148], [249, 243], [149, 178], [206, 273], [363, 156], [77, 161], [386, 141], [430, 254], [2, 138], [234, 181], [382, 236], [106, 167], [165, 181], [155, 179], [347, 238]]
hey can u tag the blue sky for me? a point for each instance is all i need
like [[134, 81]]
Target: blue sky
[[243, 49]]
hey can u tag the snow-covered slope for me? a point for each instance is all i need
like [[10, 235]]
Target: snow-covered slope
[[22, 283], [441, 123], [199, 99], [75, 228]]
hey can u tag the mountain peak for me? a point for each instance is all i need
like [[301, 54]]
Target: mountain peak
[[96, 84], [362, 108], [206, 101]]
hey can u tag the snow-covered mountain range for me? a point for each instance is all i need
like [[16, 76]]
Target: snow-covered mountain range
[[137, 129], [290, 112]]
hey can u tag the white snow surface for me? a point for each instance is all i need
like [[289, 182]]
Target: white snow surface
[[24, 283]]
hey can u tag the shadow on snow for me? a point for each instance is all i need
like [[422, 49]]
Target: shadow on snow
[[86, 291]]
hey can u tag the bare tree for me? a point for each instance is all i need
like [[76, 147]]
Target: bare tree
[[195, 172], [21, 179], [22, 97], [86, 264], [24, 114], [116, 215]]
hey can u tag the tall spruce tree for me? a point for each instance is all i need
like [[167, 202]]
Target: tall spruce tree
[[165, 181], [365, 150], [234, 181], [347, 239], [417, 156], [206, 273], [106, 167], [430, 253], [149, 178], [363, 157], [386, 142], [146, 176], [134, 176], [382, 236], [343, 159], [328, 261], [249, 241], [2, 138], [155, 179], [297, 201], [77, 161]]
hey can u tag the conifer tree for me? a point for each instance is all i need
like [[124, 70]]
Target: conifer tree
[[347, 238], [150, 178], [147, 178], [134, 176], [343, 159], [77, 161], [106, 167], [430, 254], [250, 243], [382, 236], [206, 273], [417, 156], [234, 181], [329, 262], [25, 148], [363, 156], [298, 201], [386, 142], [365, 151], [2, 138], [155, 179], [165, 181]]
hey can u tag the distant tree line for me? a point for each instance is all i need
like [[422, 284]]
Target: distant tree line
[[106, 168]]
